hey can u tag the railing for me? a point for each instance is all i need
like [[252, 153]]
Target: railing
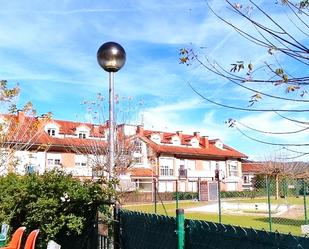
[[103, 242], [183, 173]]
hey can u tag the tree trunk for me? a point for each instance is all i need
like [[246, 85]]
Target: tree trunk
[[277, 186]]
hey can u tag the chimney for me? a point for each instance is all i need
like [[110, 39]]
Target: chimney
[[140, 130], [196, 134], [21, 116], [179, 134], [204, 142]]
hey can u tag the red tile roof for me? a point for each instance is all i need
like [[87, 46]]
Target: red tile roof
[[202, 151], [70, 127], [254, 167], [30, 130], [206, 149], [142, 172]]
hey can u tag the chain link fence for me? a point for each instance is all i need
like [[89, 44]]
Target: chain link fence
[[269, 202], [275, 203], [151, 231]]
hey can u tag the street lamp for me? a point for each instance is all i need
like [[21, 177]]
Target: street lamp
[[111, 57]]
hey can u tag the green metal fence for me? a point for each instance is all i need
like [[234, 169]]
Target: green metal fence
[[151, 231], [277, 203], [273, 203], [141, 230]]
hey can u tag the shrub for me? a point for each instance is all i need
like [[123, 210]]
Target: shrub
[[185, 195], [63, 208], [243, 194]]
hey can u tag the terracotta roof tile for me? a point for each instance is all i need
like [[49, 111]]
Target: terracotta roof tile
[[142, 172], [252, 167], [212, 151]]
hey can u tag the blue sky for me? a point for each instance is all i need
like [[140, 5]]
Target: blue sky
[[49, 48]]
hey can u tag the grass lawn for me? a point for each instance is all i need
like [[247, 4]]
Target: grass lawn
[[281, 224]]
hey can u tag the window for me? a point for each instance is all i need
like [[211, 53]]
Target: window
[[175, 140], [155, 138], [194, 142], [51, 132], [82, 134], [166, 171], [233, 170], [138, 146], [81, 164], [246, 179], [29, 169], [137, 160], [182, 172], [52, 161], [81, 160]]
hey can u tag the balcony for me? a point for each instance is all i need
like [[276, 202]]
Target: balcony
[[183, 173]]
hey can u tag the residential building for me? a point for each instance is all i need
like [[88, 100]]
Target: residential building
[[170, 160], [184, 160], [249, 171]]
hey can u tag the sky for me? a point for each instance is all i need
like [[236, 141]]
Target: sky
[[49, 48]]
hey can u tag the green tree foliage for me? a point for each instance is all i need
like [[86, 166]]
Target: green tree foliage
[[63, 208]]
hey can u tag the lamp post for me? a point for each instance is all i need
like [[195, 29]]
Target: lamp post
[[217, 178], [111, 57]]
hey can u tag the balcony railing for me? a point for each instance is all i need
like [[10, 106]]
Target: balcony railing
[[183, 173]]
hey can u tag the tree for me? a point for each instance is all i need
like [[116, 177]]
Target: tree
[[276, 167], [282, 79], [62, 207], [97, 150], [16, 132]]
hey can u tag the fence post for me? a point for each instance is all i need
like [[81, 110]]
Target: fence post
[[269, 204], [177, 194], [180, 228], [116, 227], [155, 194], [305, 202]]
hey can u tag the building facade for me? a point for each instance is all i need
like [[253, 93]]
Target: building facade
[[169, 160], [178, 160]]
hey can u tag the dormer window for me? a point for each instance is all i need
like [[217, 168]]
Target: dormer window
[[51, 132], [52, 129], [82, 134], [219, 144], [82, 131], [175, 140], [194, 142], [156, 138]]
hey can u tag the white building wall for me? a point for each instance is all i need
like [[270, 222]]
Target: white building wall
[[41, 159]]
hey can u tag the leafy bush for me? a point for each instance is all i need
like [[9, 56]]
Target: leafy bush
[[63, 208], [185, 195], [243, 194]]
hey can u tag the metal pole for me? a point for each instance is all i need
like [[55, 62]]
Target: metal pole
[[111, 125], [305, 202], [155, 195], [269, 205], [219, 201], [116, 227], [177, 196], [180, 228], [199, 188]]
